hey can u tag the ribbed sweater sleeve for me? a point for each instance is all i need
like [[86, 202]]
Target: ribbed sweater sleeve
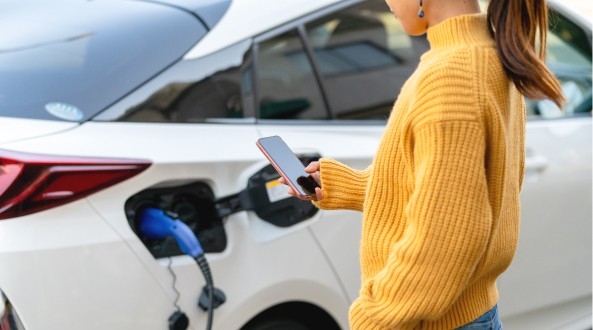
[[448, 224], [344, 186]]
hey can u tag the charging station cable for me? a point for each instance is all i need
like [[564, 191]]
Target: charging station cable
[[155, 223]]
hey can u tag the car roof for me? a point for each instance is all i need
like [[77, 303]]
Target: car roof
[[210, 11], [581, 9], [251, 17]]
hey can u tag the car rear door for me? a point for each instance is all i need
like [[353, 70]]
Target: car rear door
[[326, 85]]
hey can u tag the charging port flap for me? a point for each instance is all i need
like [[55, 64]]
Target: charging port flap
[[268, 198]]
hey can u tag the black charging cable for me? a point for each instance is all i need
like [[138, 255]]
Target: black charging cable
[[154, 223]]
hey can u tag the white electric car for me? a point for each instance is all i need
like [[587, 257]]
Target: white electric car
[[108, 108]]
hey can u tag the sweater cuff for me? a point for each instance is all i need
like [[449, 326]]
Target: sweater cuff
[[342, 186], [359, 318], [361, 314]]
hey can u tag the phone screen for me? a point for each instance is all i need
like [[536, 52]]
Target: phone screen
[[287, 164]]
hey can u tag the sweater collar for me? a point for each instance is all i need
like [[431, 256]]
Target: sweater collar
[[460, 30]]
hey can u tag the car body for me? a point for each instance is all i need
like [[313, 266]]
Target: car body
[[108, 107]]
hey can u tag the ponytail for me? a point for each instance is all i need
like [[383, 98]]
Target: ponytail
[[515, 24]]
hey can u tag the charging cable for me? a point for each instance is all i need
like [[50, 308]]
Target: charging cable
[[154, 223]]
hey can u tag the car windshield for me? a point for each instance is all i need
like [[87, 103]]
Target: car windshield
[[71, 65]]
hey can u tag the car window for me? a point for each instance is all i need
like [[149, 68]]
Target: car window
[[217, 86], [364, 57], [84, 57], [285, 80], [569, 58]]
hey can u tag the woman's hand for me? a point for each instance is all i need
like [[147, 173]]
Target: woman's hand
[[313, 170]]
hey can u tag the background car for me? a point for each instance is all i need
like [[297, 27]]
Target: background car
[[110, 107]]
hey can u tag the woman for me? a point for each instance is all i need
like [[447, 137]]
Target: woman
[[440, 201]]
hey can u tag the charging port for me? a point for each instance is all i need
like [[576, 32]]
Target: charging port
[[193, 203]]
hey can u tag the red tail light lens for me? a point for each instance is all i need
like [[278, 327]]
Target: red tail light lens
[[31, 183]]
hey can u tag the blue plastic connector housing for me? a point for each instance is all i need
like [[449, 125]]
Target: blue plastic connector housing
[[156, 224]]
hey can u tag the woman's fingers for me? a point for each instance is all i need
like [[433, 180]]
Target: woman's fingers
[[318, 194], [313, 170], [312, 167]]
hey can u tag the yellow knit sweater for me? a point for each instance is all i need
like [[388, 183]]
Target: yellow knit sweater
[[440, 201]]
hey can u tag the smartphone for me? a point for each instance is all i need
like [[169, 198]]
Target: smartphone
[[288, 165]]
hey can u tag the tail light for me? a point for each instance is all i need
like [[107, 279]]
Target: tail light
[[31, 183]]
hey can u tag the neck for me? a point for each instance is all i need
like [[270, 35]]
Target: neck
[[471, 29], [438, 11]]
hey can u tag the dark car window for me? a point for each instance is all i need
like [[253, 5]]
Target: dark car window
[[86, 55], [569, 58], [364, 57], [286, 84], [213, 87]]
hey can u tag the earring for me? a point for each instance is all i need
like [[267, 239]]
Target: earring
[[421, 11]]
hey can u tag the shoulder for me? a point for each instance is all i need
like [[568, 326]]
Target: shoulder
[[451, 83], [462, 65]]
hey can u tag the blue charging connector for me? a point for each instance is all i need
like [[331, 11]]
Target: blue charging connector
[[154, 223]]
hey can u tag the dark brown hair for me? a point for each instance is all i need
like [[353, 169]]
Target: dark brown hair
[[516, 25]]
